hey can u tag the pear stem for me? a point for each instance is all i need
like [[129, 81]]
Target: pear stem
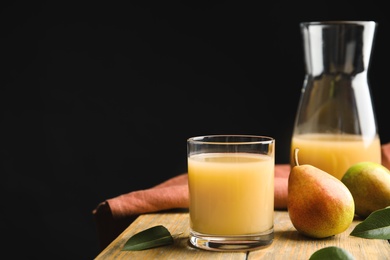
[[296, 150]]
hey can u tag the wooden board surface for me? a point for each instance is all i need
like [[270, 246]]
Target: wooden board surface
[[288, 243]]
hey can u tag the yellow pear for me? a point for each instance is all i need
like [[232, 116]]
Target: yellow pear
[[319, 205], [369, 184]]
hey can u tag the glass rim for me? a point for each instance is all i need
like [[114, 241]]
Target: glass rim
[[251, 139], [339, 22]]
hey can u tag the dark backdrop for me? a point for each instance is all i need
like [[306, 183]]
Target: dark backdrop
[[97, 99]]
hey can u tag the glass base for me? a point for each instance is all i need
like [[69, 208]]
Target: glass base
[[232, 243]]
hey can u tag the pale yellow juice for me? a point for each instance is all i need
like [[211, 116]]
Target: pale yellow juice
[[335, 153], [231, 193]]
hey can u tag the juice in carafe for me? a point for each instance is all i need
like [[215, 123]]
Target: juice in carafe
[[335, 153], [335, 125]]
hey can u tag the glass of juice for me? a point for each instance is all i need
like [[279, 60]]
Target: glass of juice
[[231, 191]]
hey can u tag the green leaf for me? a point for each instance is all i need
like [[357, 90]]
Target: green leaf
[[331, 252], [149, 238], [375, 226]]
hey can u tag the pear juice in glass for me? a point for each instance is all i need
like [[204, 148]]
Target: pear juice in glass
[[231, 190]]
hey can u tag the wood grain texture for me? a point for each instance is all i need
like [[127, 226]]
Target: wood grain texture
[[288, 243]]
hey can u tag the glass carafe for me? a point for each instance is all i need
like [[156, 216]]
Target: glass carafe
[[335, 125]]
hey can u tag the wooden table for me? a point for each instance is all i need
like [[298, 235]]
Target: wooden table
[[287, 244]]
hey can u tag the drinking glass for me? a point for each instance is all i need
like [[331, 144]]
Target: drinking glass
[[231, 190]]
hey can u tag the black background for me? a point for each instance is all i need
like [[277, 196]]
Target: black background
[[98, 98]]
